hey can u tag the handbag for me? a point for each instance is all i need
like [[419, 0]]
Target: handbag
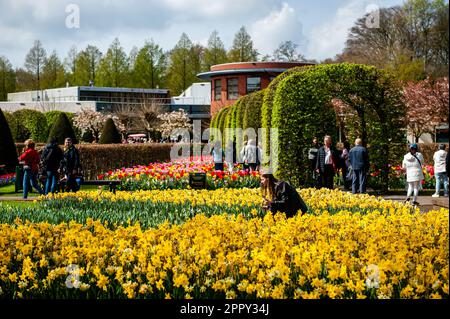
[[349, 175]]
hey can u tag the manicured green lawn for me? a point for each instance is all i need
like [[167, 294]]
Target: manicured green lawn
[[9, 191], [21, 204]]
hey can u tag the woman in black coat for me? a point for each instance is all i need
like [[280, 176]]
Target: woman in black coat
[[279, 196]]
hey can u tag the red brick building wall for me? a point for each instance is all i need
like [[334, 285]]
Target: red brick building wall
[[264, 70]]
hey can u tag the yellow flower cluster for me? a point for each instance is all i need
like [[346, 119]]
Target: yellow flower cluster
[[345, 255], [219, 197], [317, 200]]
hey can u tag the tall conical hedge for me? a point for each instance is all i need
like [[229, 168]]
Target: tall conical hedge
[[110, 134], [62, 129], [8, 151]]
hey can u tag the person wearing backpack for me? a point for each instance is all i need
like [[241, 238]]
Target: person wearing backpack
[[412, 165], [51, 159]]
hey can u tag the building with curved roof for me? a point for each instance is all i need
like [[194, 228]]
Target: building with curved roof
[[230, 81]]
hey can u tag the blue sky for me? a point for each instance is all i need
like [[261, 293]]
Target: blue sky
[[320, 27]]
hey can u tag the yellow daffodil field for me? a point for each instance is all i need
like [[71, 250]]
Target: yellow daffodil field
[[220, 244]]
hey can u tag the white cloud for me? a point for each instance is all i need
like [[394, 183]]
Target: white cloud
[[328, 39], [278, 26], [208, 8]]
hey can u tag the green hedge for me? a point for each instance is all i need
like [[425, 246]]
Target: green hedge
[[267, 105], [252, 111], [8, 153], [223, 115], [228, 134], [62, 129], [97, 159], [306, 96], [110, 134], [213, 125]]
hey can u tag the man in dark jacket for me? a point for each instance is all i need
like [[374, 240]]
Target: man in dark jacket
[[359, 160], [51, 159], [70, 165], [282, 196], [327, 159]]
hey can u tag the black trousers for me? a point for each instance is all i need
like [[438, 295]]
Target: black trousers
[[326, 177]]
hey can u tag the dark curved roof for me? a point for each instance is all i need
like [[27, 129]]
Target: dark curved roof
[[209, 75], [249, 67]]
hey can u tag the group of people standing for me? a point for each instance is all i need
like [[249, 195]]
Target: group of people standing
[[326, 160], [250, 154], [52, 163]]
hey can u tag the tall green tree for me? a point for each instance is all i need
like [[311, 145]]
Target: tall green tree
[[113, 69], [422, 17], [242, 49], [8, 151], [150, 66], [87, 64], [215, 52], [182, 68], [411, 35], [71, 65], [25, 81], [132, 56], [198, 58], [7, 78], [53, 74], [35, 61]]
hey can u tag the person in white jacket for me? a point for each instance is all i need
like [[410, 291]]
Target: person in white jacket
[[440, 171], [412, 165]]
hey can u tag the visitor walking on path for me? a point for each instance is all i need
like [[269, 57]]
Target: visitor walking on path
[[359, 161], [51, 159], [217, 153], [440, 170], [327, 159], [279, 196], [251, 155], [30, 160], [70, 165], [412, 165]]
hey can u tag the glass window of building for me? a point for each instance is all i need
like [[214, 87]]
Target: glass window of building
[[232, 89], [253, 84], [442, 134], [217, 90]]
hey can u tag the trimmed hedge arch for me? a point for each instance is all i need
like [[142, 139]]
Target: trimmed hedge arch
[[213, 125], [227, 134], [252, 111], [222, 121], [306, 97], [267, 105]]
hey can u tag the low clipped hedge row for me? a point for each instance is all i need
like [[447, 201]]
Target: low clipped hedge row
[[97, 159]]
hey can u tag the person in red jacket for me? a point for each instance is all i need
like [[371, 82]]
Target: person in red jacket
[[30, 160]]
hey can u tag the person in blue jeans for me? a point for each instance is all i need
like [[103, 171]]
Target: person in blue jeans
[[440, 170], [359, 161], [51, 159], [30, 161]]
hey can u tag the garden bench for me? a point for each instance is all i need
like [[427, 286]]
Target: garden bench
[[112, 184]]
